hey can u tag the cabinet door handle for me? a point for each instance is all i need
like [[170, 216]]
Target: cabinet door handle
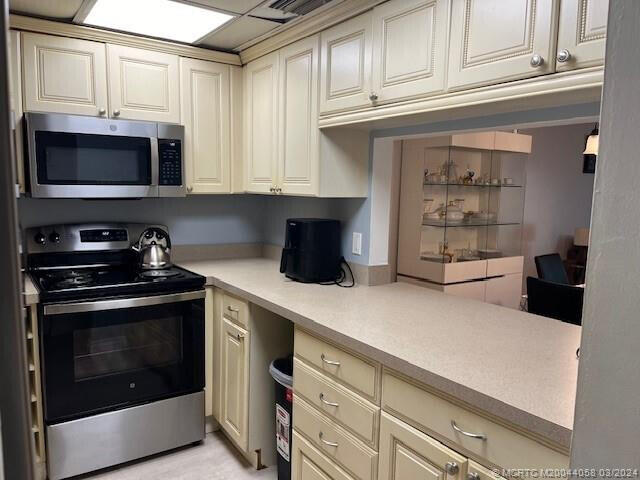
[[473, 476], [231, 309], [189, 189], [331, 444], [563, 56], [102, 111], [329, 362], [326, 402], [479, 436], [373, 97], [536, 60], [116, 113], [240, 337]]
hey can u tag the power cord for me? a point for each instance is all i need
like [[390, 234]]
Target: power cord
[[343, 276]]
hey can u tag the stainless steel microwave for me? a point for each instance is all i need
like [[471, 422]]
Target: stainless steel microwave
[[73, 156]]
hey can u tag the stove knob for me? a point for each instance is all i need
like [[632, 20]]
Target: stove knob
[[40, 239], [54, 237]]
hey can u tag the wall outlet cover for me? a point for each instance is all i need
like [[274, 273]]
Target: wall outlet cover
[[356, 247]]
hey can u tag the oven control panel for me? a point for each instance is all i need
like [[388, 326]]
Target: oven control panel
[[170, 162], [104, 235]]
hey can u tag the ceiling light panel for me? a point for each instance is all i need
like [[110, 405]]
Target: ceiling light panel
[[156, 18]]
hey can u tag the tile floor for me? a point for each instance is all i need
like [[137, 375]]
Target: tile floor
[[213, 459]]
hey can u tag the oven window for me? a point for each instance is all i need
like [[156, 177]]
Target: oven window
[[127, 347], [86, 159]]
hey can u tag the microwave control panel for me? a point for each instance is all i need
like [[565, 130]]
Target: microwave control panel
[[170, 162]]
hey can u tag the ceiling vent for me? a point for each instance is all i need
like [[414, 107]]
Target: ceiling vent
[[297, 7]]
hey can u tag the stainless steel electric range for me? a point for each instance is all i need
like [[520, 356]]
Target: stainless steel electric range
[[122, 349]]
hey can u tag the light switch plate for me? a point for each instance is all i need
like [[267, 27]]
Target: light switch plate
[[356, 247]]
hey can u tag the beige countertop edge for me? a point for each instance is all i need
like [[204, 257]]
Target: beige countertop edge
[[525, 420], [30, 292]]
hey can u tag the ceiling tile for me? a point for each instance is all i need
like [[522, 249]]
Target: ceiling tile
[[235, 6], [238, 32], [46, 8]]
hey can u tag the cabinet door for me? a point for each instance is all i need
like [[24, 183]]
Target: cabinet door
[[15, 102], [143, 85], [235, 386], [494, 41], [409, 48], [346, 65], [407, 453], [64, 75], [308, 463], [581, 32], [261, 123], [298, 152], [206, 119]]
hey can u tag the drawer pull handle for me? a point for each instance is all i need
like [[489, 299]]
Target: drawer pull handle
[[452, 468], [329, 362], [231, 309], [330, 444], [479, 436], [331, 404]]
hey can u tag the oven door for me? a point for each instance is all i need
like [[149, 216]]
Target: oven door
[[111, 354], [72, 156]]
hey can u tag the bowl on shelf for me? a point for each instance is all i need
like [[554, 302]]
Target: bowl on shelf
[[435, 257], [484, 216], [486, 253]]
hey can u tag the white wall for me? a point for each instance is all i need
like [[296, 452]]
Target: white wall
[[558, 195], [606, 431]]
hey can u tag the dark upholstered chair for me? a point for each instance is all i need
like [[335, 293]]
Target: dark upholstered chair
[[555, 300], [551, 268]]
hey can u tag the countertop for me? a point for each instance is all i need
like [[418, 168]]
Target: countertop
[[29, 292], [518, 367]]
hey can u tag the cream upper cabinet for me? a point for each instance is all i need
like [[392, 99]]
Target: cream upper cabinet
[[346, 51], [409, 48], [581, 33], [261, 123], [205, 107], [407, 453], [143, 85], [493, 41], [234, 406], [298, 119], [64, 75]]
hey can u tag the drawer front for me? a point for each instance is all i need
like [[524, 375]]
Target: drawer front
[[478, 472], [334, 442], [355, 372], [307, 463], [355, 413], [235, 309], [502, 446]]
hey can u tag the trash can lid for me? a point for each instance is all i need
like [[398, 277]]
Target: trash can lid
[[281, 370]]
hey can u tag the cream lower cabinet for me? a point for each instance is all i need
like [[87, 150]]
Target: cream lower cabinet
[[234, 410], [285, 153], [250, 338], [308, 463], [409, 54], [143, 84], [205, 103], [407, 454], [64, 75], [493, 41], [582, 30]]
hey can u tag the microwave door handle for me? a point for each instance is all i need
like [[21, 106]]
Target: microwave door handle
[[119, 303], [155, 166]]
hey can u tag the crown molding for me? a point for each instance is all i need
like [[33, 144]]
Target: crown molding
[[303, 27], [38, 25]]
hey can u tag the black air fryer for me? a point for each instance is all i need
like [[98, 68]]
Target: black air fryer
[[311, 250]]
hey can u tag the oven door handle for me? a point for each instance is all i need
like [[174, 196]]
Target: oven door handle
[[94, 306]]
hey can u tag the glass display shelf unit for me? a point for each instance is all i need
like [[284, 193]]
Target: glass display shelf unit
[[461, 207]]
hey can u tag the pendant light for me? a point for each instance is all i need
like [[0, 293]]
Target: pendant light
[[591, 146], [590, 154]]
